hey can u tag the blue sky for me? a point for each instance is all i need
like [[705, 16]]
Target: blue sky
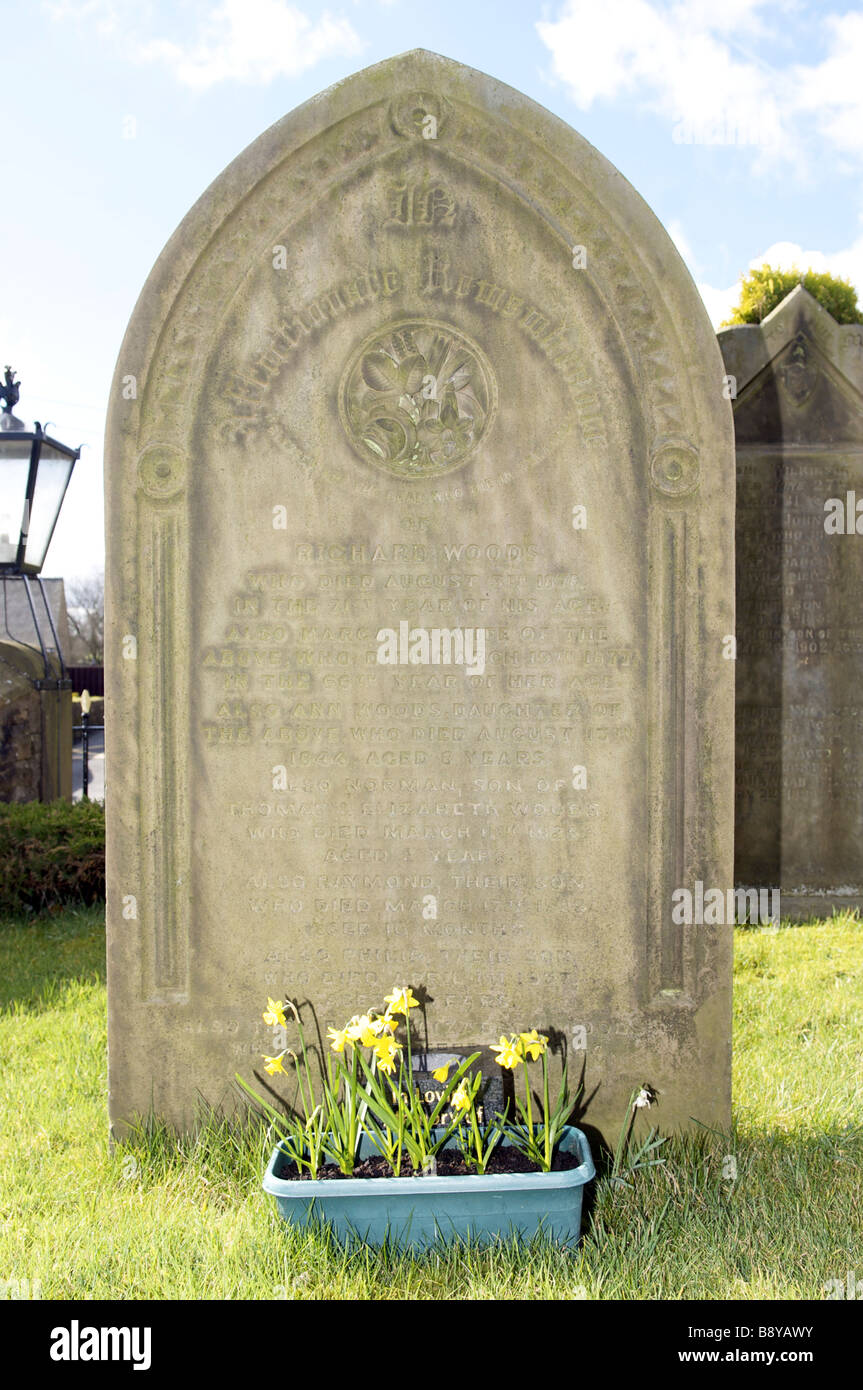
[[739, 121]]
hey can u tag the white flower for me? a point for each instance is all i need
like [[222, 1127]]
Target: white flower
[[642, 1099]]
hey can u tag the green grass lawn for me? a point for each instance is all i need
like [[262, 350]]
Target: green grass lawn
[[169, 1220]]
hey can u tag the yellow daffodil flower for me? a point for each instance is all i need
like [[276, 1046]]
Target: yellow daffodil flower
[[460, 1099], [387, 1049], [338, 1038], [441, 1073], [274, 1064], [533, 1042], [365, 1030], [401, 1001], [509, 1054], [274, 1014]]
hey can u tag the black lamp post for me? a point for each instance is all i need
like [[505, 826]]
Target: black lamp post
[[34, 475]]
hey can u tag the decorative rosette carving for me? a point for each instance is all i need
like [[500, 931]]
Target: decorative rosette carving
[[674, 468], [409, 112], [161, 471], [416, 398]]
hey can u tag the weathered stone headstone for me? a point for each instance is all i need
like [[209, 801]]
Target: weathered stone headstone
[[420, 562], [799, 758]]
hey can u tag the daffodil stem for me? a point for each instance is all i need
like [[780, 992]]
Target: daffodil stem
[[545, 1111], [401, 1112], [476, 1139], [410, 1058], [400, 1135], [352, 1135], [305, 1064]]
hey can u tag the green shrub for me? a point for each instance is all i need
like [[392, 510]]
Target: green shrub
[[761, 290], [51, 854]]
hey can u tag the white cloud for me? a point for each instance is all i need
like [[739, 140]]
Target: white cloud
[[718, 303], [253, 41], [101, 14], [833, 90], [676, 57], [787, 255], [687, 61]]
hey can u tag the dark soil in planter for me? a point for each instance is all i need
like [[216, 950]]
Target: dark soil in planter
[[450, 1164]]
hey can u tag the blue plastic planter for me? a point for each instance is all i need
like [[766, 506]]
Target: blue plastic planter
[[414, 1213]]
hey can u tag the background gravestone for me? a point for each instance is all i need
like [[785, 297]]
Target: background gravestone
[[799, 785], [371, 391], [35, 716]]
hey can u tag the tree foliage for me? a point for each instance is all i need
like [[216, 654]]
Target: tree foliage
[[85, 608], [761, 290]]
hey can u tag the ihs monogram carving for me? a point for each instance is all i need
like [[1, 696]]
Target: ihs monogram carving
[[416, 398], [420, 205]]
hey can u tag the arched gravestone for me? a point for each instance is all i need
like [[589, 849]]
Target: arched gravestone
[[798, 417], [376, 395]]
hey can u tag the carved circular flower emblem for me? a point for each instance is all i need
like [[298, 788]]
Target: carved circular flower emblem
[[410, 113], [161, 471], [674, 468], [416, 398]]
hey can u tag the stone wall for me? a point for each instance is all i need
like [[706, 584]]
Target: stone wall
[[20, 736], [35, 724]]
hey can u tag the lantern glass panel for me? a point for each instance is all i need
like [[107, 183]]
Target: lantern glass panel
[[14, 469], [51, 482]]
